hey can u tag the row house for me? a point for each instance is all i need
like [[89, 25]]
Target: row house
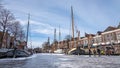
[[60, 44], [87, 41], [84, 42], [9, 42], [64, 45], [6, 40], [110, 36], [54, 46], [74, 42], [97, 40]]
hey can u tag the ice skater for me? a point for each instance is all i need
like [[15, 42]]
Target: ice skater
[[94, 52], [99, 52], [89, 52]]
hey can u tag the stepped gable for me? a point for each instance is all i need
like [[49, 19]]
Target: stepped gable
[[110, 28]]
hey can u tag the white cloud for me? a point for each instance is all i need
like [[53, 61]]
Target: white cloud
[[34, 44], [43, 31], [43, 28]]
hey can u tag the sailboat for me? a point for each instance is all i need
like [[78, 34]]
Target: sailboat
[[14, 53], [75, 50], [58, 51]]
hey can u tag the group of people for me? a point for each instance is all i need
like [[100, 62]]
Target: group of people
[[95, 52], [108, 51]]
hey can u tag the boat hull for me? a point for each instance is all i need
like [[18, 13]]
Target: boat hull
[[76, 51], [16, 53]]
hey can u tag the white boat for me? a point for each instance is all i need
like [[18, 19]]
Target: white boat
[[58, 51], [14, 53], [76, 51]]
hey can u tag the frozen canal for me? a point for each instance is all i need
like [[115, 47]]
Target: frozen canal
[[61, 61]]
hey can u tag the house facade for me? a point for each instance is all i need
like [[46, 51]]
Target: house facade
[[6, 40], [109, 37]]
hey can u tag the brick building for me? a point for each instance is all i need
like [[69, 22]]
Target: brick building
[[109, 37]]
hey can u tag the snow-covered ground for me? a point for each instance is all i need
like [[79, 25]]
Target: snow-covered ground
[[61, 61]]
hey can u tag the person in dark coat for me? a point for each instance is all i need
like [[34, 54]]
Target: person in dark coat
[[94, 52], [99, 52], [90, 52]]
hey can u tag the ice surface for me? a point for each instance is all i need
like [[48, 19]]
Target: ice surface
[[61, 61]]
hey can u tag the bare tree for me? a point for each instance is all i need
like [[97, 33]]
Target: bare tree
[[22, 35], [17, 31], [1, 7], [6, 18]]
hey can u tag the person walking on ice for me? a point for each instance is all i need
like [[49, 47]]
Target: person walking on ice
[[94, 52], [99, 52]]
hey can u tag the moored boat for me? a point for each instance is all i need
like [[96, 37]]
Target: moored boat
[[14, 53], [58, 51], [17, 51]]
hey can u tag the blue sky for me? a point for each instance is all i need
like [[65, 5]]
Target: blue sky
[[89, 16]]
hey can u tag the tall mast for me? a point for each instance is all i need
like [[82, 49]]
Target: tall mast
[[27, 29], [59, 33], [48, 41], [72, 22], [55, 35], [59, 38], [55, 38], [72, 26]]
